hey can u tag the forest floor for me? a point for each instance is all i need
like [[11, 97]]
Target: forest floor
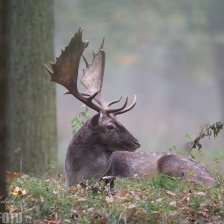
[[121, 200]]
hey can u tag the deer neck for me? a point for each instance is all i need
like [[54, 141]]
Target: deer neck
[[98, 156], [86, 161], [98, 160]]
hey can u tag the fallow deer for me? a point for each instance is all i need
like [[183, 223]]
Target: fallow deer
[[103, 146]]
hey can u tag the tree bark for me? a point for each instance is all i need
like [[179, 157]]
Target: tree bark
[[31, 112], [3, 79]]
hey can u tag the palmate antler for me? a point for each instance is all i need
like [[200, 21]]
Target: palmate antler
[[65, 73]]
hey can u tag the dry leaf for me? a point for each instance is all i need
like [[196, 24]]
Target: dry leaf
[[12, 175], [154, 212], [81, 199], [73, 190], [200, 193], [41, 199], [109, 199], [90, 210], [15, 190], [185, 200], [130, 206], [52, 220], [76, 214], [203, 213], [173, 203], [170, 193], [159, 200], [28, 218]]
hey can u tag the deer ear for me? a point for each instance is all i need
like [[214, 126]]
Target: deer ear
[[94, 122], [100, 118]]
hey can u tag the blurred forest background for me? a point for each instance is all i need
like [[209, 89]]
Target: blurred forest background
[[169, 53]]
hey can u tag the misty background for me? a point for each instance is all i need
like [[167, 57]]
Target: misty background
[[165, 52]]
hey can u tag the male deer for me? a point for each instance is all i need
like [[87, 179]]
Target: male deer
[[103, 146]]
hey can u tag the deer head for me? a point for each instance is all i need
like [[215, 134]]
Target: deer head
[[105, 129]]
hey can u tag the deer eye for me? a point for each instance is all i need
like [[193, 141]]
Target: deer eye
[[110, 127]]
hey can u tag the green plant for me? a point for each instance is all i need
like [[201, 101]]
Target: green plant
[[207, 131], [133, 200], [164, 181], [80, 119]]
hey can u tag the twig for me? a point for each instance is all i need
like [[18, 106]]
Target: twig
[[208, 132]]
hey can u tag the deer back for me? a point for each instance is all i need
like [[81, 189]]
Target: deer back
[[149, 164]]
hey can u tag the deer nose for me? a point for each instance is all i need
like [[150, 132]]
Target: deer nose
[[136, 143]]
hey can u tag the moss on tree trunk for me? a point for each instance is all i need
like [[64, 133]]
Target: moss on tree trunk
[[31, 110]]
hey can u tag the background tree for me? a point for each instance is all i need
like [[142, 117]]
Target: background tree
[[215, 17], [31, 112]]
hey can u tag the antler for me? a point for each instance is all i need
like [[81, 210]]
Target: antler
[[92, 78], [65, 72]]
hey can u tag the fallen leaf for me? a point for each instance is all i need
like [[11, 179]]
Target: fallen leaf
[[41, 199], [81, 199], [159, 200], [15, 190], [154, 212], [90, 210], [52, 220], [99, 218], [109, 199], [173, 203], [203, 213], [76, 214], [200, 193], [73, 190], [28, 219], [130, 206], [185, 200], [170, 193], [12, 175]]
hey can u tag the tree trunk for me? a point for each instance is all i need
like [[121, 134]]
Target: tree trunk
[[219, 68], [31, 100], [3, 79]]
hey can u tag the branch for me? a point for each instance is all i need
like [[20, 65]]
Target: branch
[[212, 130]]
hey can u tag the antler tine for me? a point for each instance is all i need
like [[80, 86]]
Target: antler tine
[[65, 70], [129, 108], [85, 60], [48, 69], [113, 111], [94, 95], [101, 46], [115, 101]]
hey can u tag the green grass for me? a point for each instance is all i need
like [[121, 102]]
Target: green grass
[[132, 200]]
